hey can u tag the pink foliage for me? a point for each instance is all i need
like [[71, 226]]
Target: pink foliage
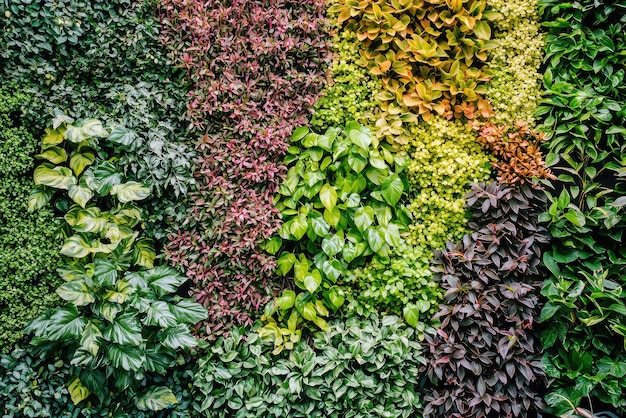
[[256, 68]]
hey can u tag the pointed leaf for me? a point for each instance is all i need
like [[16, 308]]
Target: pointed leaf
[[125, 357], [328, 196], [124, 330], [39, 197], [76, 292], [80, 194], [178, 337], [55, 155], [76, 246], [130, 191], [80, 161], [156, 399], [392, 189], [188, 311], [77, 391], [363, 218]]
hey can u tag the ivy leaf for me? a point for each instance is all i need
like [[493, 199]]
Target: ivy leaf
[[156, 399], [77, 391], [360, 139], [312, 282], [299, 226], [363, 218], [308, 311], [178, 337], [76, 292], [130, 191], [375, 239], [411, 314], [299, 133], [124, 330], [188, 312], [333, 269], [320, 226], [286, 300], [125, 357], [336, 296], [332, 216], [285, 262], [392, 189], [328, 196], [301, 268], [332, 245]]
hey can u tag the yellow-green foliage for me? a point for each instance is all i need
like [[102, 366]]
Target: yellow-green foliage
[[351, 89], [389, 285], [445, 159], [514, 90]]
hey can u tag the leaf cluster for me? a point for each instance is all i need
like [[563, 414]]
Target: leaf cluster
[[120, 322], [518, 152], [104, 60], [340, 204], [484, 360], [585, 111], [27, 244], [360, 367], [430, 54], [256, 69]]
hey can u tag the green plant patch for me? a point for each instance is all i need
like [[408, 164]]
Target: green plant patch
[[342, 205], [358, 367]]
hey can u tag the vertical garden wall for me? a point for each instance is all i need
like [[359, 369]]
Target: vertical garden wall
[[244, 208]]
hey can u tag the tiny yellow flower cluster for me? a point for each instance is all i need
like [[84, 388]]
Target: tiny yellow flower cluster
[[350, 93], [515, 89], [445, 159]]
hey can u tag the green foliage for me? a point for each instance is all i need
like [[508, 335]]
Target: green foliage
[[121, 321], [400, 285], [430, 54], [340, 206], [359, 368], [27, 244], [349, 95], [445, 158], [515, 89], [105, 60], [585, 115], [34, 387]]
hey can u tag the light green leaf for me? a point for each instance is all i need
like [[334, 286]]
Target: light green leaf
[[178, 337], [156, 399], [125, 357], [333, 269], [375, 238], [285, 262], [188, 311], [122, 136], [332, 216], [77, 391], [332, 245], [356, 162], [76, 246], [392, 189], [124, 330], [308, 311], [87, 220], [336, 296], [38, 198], [482, 30], [79, 161], [312, 282], [301, 268], [286, 300], [299, 225], [363, 218], [328, 196], [392, 235], [89, 341], [272, 245], [53, 137], [411, 314], [144, 253], [360, 139], [80, 194], [84, 130], [57, 177], [320, 226], [376, 176], [76, 292], [130, 191], [299, 133], [158, 314], [55, 155]]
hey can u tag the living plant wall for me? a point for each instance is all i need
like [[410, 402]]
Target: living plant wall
[[314, 208]]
